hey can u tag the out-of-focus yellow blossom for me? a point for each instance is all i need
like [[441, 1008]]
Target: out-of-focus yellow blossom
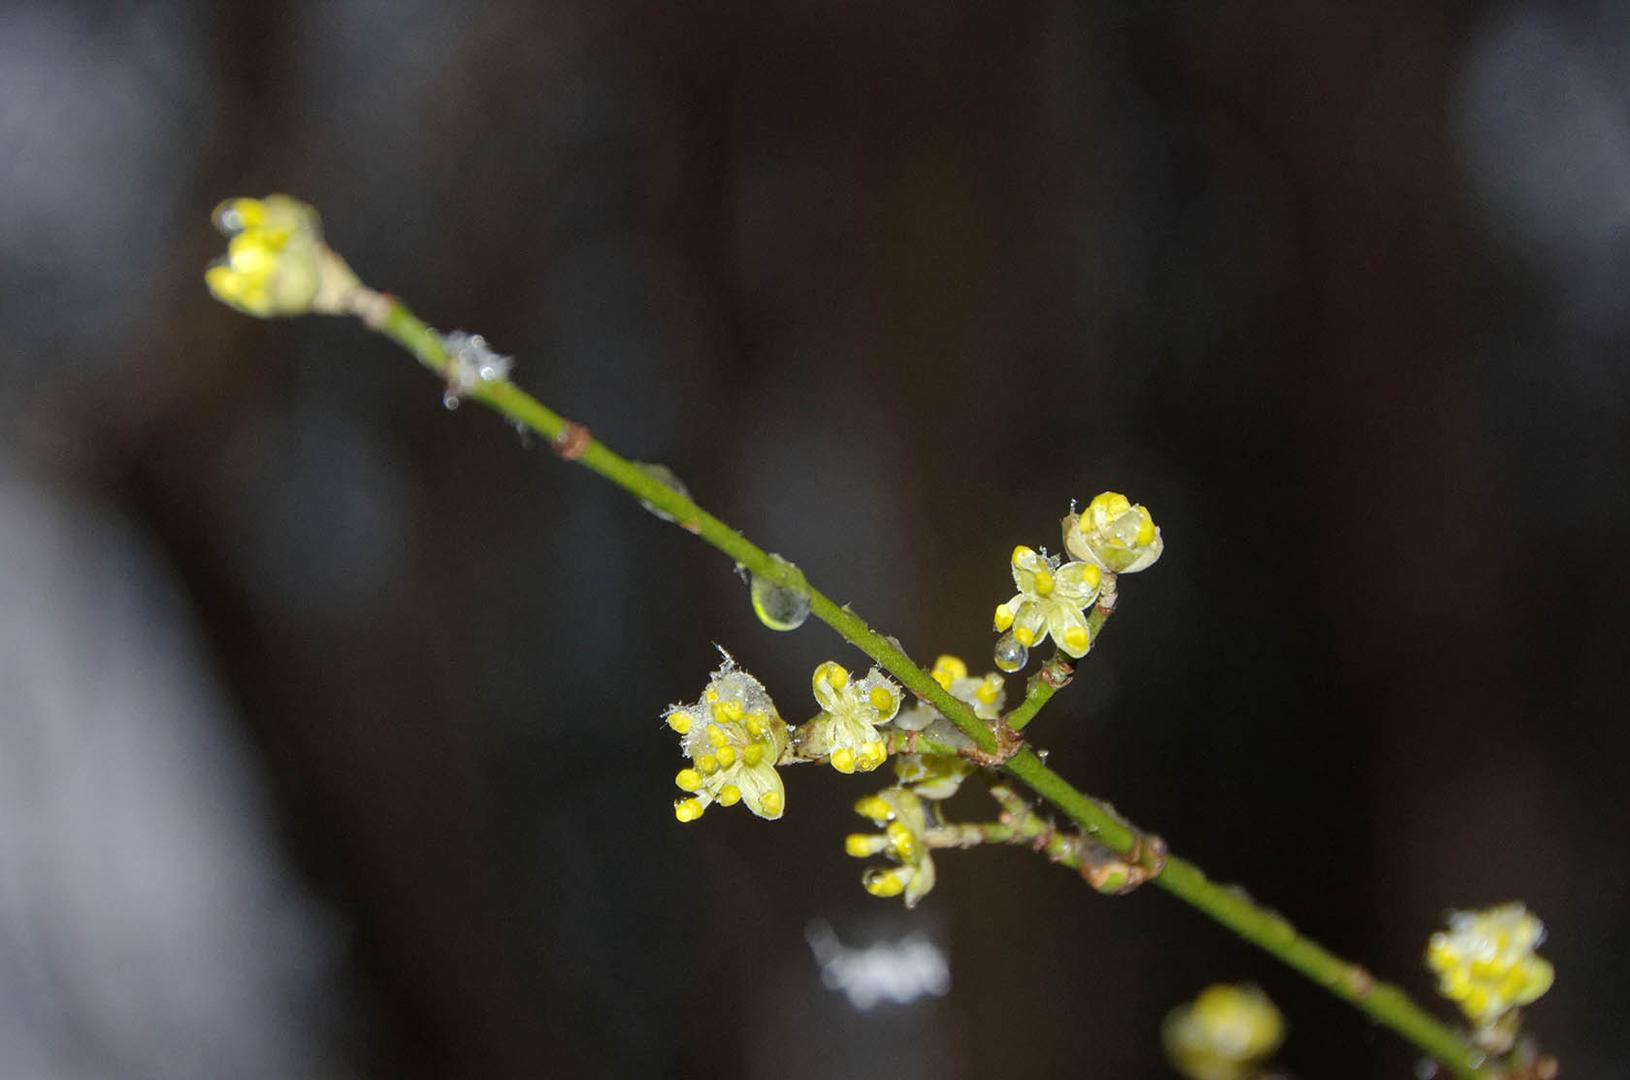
[[1485, 961], [1049, 601], [734, 737], [1224, 1034], [276, 262], [984, 694], [937, 776], [932, 776], [904, 819], [851, 712], [1114, 535]]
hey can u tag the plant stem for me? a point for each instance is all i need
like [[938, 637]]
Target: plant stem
[[1386, 1004]]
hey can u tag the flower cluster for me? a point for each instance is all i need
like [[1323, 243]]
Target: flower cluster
[[852, 710], [1050, 601], [276, 262], [1485, 962], [1224, 1034], [1110, 537], [904, 820], [734, 738], [1113, 535]]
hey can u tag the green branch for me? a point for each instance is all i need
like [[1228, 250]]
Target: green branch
[[1386, 1004]]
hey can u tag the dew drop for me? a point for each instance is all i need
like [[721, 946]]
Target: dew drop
[[666, 477], [449, 400], [777, 606], [1010, 655]]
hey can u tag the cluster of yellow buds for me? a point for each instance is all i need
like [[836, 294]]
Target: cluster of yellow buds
[[1050, 601], [1114, 535], [734, 738], [1485, 962], [276, 262], [904, 821], [1224, 1034], [845, 733]]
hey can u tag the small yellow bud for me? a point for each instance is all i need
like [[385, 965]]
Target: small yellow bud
[[1024, 636], [716, 735], [871, 756], [881, 700], [1021, 554], [726, 756], [1043, 583], [708, 764], [756, 726], [732, 710], [680, 722], [688, 780], [688, 809], [874, 807], [1076, 640], [770, 803], [843, 759], [948, 669], [862, 845], [890, 881], [729, 795], [752, 754], [1004, 617], [989, 690]]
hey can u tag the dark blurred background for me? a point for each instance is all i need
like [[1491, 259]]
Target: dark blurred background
[[329, 719]]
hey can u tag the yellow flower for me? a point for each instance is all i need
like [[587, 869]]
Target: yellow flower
[[904, 820], [1113, 535], [276, 262], [852, 710], [1049, 601], [1224, 1034], [1486, 963], [734, 738]]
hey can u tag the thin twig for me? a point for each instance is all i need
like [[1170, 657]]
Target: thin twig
[[1387, 1004]]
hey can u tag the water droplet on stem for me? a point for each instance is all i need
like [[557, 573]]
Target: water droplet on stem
[[777, 606], [666, 477]]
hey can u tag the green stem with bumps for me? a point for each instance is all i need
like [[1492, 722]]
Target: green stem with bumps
[[1386, 1004]]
